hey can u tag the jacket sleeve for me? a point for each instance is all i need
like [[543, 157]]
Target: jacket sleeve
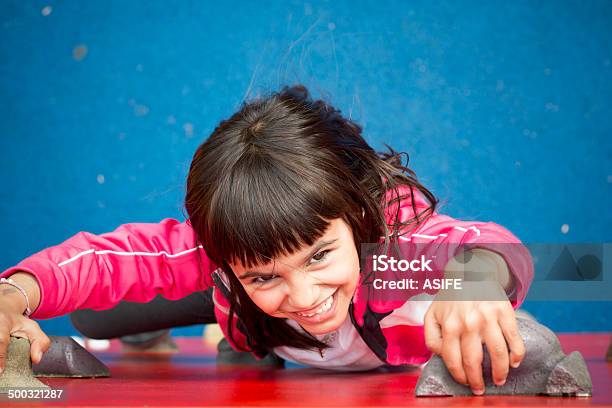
[[135, 263], [441, 229]]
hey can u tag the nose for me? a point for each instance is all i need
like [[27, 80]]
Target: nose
[[303, 293]]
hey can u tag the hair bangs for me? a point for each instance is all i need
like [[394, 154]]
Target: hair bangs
[[263, 211]]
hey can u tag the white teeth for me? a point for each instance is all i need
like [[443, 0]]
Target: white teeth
[[324, 308]]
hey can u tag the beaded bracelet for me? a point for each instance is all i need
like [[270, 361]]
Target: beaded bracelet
[[11, 282]]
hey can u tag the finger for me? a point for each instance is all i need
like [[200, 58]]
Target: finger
[[433, 334], [451, 354], [38, 346], [39, 341], [515, 341], [471, 348], [498, 352]]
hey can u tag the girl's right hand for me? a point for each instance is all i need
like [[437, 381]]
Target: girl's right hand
[[13, 323]]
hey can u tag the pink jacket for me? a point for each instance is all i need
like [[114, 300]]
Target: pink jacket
[[138, 261]]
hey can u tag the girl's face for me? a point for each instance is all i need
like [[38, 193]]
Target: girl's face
[[313, 286]]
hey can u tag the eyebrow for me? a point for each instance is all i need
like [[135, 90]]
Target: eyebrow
[[317, 247]]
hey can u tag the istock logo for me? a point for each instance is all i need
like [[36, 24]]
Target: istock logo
[[384, 263]]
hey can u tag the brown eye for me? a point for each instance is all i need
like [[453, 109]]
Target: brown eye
[[320, 256], [263, 279]]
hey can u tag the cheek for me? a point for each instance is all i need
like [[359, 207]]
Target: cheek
[[345, 273], [353, 278], [352, 268], [269, 301]]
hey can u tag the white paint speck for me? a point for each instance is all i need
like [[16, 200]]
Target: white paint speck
[[565, 228], [517, 163], [171, 120], [331, 26], [98, 345], [100, 178], [139, 68], [188, 128], [46, 10]]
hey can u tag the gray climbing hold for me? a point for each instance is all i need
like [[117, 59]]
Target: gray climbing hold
[[17, 372], [66, 358], [544, 370], [522, 313], [570, 377]]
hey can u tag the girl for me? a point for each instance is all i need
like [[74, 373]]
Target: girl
[[280, 199]]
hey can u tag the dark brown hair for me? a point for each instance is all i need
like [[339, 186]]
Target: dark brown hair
[[270, 178]]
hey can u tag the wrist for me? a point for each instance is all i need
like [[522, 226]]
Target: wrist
[[484, 274], [479, 265], [20, 293], [473, 291], [498, 265], [11, 300]]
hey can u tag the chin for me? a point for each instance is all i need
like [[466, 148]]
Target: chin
[[326, 327]]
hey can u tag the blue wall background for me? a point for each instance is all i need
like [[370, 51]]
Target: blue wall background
[[503, 107]]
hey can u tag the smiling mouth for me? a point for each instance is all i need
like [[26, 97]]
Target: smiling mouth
[[322, 310]]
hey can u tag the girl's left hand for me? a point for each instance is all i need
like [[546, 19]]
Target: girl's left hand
[[456, 330]]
